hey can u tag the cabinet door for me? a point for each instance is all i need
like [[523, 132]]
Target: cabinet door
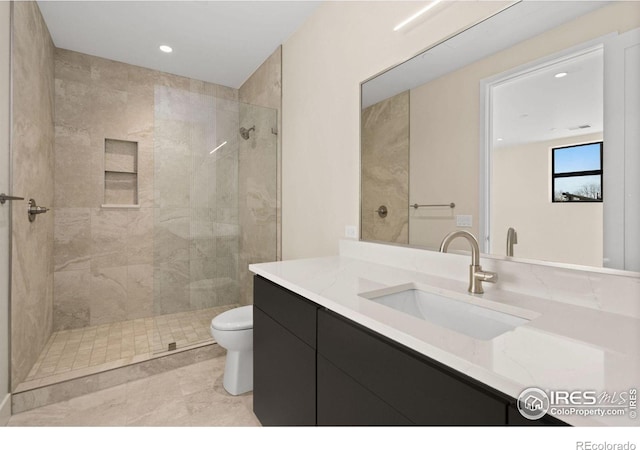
[[295, 313], [417, 387], [284, 374], [342, 401]]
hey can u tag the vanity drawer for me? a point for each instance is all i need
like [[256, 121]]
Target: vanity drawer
[[341, 400], [290, 310], [407, 381]]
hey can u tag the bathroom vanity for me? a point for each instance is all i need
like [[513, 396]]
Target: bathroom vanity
[[326, 354], [313, 366]]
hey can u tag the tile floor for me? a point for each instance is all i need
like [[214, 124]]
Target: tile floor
[[87, 350], [188, 396]]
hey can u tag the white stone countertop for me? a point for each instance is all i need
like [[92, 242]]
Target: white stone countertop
[[565, 346]]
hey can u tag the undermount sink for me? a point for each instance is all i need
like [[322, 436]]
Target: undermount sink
[[480, 319]]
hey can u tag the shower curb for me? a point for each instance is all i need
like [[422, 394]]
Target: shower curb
[[76, 387]]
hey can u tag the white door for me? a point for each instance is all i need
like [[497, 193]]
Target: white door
[[622, 152], [5, 401]]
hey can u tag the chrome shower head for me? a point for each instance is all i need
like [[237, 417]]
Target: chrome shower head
[[244, 132]]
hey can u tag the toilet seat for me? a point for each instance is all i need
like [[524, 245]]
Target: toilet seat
[[234, 319]]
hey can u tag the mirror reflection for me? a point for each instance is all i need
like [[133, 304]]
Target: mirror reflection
[[522, 130]]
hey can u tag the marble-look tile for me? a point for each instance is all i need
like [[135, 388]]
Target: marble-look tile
[[139, 291], [187, 396], [172, 281], [72, 299], [77, 171], [202, 242], [120, 188], [108, 74], [32, 176], [385, 163], [172, 181], [259, 179], [108, 295], [108, 238], [72, 66], [120, 156], [171, 234], [72, 239], [140, 236], [175, 121], [264, 86], [66, 386], [146, 174]]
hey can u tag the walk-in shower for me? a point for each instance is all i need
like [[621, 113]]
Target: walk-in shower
[[153, 237]]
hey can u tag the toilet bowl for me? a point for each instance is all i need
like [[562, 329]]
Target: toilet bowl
[[233, 330]]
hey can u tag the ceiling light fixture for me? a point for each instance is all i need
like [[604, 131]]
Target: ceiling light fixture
[[416, 15], [499, 139], [218, 147], [561, 75], [166, 49]]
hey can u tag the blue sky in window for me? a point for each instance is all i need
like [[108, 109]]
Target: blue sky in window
[[574, 185], [577, 159]]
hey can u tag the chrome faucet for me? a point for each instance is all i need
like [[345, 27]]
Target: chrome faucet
[[512, 238], [476, 274]]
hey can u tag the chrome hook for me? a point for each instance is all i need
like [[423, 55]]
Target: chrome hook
[[34, 209]]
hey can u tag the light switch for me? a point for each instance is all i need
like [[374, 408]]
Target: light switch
[[350, 231], [463, 220]]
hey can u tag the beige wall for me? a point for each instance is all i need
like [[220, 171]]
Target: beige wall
[[521, 198], [5, 59], [324, 61], [444, 140], [385, 170], [444, 162], [32, 167], [259, 173]]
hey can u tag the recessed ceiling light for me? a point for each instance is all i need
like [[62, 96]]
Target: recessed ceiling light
[[560, 75], [166, 49], [499, 139], [416, 15]]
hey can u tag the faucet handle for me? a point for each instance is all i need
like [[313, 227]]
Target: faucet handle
[[489, 277]]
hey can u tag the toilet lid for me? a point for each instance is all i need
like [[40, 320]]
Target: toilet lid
[[235, 319]]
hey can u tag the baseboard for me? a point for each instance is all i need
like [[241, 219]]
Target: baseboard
[[5, 410]]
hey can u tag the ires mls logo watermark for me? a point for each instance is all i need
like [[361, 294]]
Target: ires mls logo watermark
[[533, 403]]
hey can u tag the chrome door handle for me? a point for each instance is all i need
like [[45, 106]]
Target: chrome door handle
[[5, 197]]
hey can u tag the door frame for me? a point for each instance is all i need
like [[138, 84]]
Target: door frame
[[487, 85]]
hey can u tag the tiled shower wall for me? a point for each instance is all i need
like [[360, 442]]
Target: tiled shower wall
[[32, 168], [104, 258], [385, 170]]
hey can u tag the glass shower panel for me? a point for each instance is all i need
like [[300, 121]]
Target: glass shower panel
[[198, 212], [258, 192]]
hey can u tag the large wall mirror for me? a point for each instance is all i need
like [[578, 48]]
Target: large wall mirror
[[523, 129]]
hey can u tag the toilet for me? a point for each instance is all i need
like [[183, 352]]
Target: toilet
[[233, 330]]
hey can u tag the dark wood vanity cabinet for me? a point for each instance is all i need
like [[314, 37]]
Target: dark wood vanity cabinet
[[419, 389], [284, 356], [344, 401], [313, 366]]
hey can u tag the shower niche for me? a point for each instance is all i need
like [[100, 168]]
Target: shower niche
[[120, 173]]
